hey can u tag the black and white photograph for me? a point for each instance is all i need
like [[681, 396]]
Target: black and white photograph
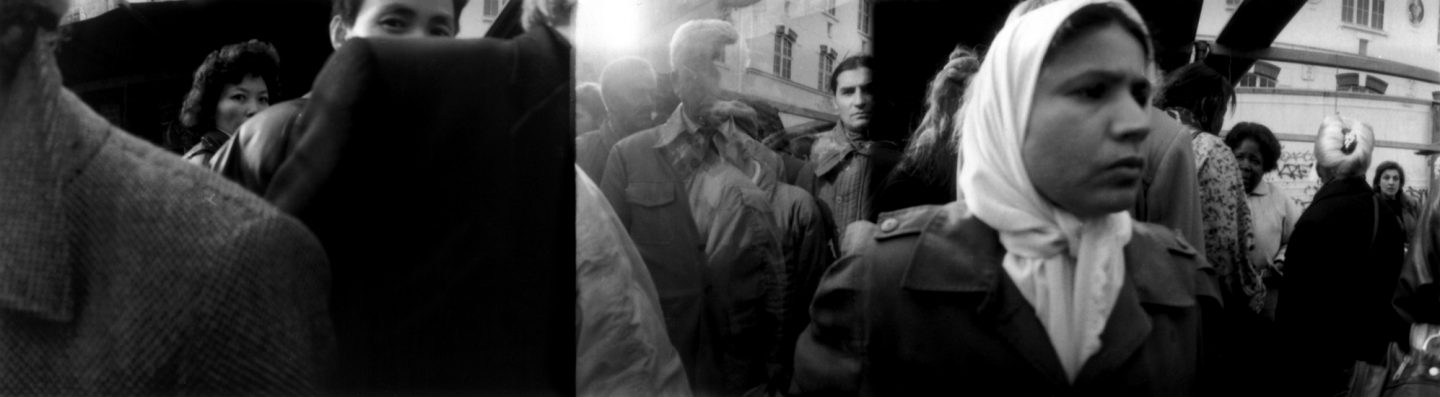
[[771, 197]]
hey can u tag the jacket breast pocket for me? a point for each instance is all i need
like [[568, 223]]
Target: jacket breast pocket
[[653, 218]]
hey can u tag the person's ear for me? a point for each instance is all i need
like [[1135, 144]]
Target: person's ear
[[338, 32]]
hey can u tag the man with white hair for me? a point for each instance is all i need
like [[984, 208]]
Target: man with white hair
[[685, 191]]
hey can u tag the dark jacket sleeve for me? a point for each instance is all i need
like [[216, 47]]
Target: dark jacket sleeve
[[830, 354], [342, 90], [263, 326], [259, 145]]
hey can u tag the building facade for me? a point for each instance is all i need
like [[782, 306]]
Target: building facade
[[786, 50], [1393, 50]]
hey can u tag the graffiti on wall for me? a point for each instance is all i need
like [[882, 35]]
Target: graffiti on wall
[[1295, 175]]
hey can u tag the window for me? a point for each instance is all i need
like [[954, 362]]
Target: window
[[865, 16], [493, 7], [830, 7], [1263, 75], [1375, 86], [1350, 82], [1255, 80], [784, 44], [1364, 47], [827, 63], [1368, 13]]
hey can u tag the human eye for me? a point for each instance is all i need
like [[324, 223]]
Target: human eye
[[237, 97], [1141, 92], [265, 100], [393, 23], [1091, 91]]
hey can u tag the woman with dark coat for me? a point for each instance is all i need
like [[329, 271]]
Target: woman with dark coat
[[1341, 271], [1038, 282], [1389, 183], [234, 83]]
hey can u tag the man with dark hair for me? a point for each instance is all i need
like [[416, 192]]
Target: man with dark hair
[[685, 191], [850, 164], [627, 89], [394, 18], [269, 134], [125, 270]]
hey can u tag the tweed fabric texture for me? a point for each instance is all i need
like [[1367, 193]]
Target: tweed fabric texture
[[129, 272]]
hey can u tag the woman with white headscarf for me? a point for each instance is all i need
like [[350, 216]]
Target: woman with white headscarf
[[1037, 283], [1341, 270]]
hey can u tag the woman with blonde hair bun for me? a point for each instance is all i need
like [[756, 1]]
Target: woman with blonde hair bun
[[1341, 270]]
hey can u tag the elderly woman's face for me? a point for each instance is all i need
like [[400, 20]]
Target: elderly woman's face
[[1088, 118], [240, 101]]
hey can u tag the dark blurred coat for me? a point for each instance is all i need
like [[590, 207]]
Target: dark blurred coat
[[126, 271], [1336, 308], [927, 307], [437, 173], [267, 137]]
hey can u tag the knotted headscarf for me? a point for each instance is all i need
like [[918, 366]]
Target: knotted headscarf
[[1069, 269]]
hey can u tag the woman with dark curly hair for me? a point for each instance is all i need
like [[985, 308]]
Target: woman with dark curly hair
[[233, 83], [1389, 183]]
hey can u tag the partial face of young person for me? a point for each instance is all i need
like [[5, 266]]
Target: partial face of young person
[[1390, 182], [1086, 123], [632, 106], [240, 101], [854, 98], [1252, 163], [398, 18]]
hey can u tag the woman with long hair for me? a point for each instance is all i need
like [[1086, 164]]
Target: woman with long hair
[[1389, 183], [926, 173], [1199, 97], [1038, 282], [232, 84]]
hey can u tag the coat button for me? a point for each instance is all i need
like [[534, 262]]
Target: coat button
[[889, 225]]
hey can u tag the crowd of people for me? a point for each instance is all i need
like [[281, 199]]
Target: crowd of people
[[1064, 219]]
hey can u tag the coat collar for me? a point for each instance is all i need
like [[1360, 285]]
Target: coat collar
[[50, 136], [1342, 187], [677, 123], [832, 149], [941, 263]]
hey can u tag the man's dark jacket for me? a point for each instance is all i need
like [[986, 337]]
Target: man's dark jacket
[[438, 174]]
